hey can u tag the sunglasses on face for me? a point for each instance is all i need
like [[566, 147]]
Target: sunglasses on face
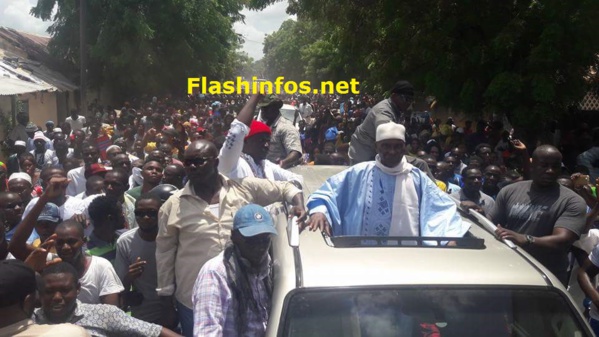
[[198, 161], [148, 213]]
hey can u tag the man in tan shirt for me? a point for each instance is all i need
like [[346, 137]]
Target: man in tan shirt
[[195, 223], [17, 301], [285, 144]]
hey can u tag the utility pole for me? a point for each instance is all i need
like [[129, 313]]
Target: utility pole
[[82, 57]]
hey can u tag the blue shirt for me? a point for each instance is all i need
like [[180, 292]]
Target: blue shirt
[[343, 200], [34, 236]]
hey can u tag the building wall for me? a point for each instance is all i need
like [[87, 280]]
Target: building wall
[[5, 106], [42, 107]]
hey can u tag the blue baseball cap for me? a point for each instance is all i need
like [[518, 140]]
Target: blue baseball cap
[[252, 219], [50, 213]]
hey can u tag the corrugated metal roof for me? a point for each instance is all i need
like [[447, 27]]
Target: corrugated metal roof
[[15, 81], [31, 60], [15, 86]]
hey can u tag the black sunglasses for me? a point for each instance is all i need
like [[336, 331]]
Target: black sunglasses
[[148, 213], [198, 161]]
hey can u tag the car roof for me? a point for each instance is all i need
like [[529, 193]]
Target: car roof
[[323, 265], [288, 107]]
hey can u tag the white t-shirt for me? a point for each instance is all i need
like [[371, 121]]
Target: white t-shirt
[[70, 207], [77, 178], [76, 124], [99, 280]]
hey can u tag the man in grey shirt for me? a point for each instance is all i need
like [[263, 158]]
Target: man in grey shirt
[[473, 181], [541, 216], [362, 144], [136, 262]]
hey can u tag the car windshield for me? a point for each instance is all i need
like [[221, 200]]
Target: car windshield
[[431, 311]]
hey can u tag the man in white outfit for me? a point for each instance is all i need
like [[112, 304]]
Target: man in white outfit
[[244, 152]]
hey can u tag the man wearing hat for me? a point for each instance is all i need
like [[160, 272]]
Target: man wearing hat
[[246, 264], [20, 182], [285, 144], [17, 301], [12, 164], [196, 221], [362, 145], [43, 219], [43, 156], [49, 133], [246, 147], [31, 129], [384, 197]]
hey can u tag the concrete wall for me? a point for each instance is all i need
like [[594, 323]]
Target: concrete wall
[[42, 107]]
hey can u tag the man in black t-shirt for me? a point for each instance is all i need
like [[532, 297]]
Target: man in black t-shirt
[[541, 216]]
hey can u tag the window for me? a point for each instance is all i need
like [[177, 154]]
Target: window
[[23, 106], [434, 311]]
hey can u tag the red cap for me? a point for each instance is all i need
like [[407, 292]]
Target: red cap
[[258, 127], [94, 169]]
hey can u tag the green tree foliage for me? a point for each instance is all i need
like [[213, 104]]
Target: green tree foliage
[[530, 59], [282, 50], [241, 64], [141, 46], [306, 50]]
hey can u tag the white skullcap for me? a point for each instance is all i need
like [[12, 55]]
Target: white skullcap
[[20, 175], [20, 143], [113, 147], [57, 130], [390, 131]]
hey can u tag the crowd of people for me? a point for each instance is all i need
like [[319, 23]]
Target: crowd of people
[[154, 220]]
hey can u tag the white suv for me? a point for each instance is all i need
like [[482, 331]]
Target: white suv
[[366, 287]]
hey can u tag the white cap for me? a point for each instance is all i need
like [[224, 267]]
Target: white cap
[[39, 135], [390, 131], [20, 143], [20, 175], [57, 130], [112, 147]]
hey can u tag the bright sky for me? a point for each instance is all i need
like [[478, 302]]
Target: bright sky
[[15, 14]]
